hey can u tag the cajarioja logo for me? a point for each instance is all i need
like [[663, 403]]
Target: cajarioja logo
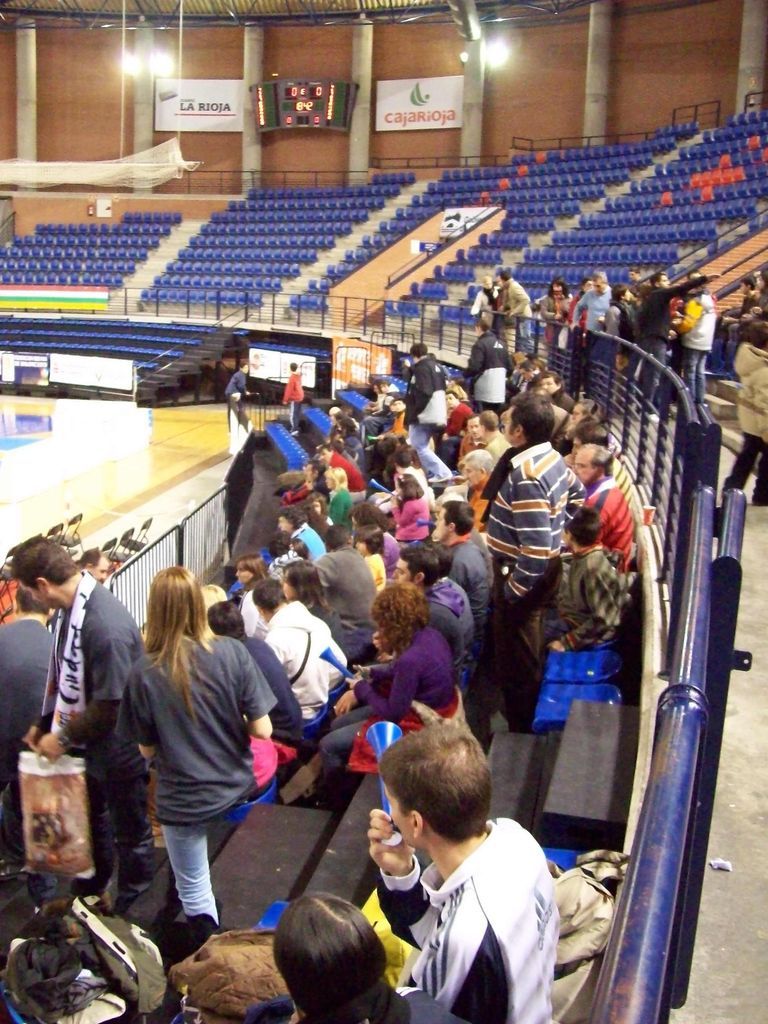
[[414, 107], [416, 98]]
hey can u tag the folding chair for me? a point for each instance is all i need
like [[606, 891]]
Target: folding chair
[[121, 551], [108, 549], [56, 533], [135, 544], [71, 538]]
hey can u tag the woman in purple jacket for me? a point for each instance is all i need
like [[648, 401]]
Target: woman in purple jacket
[[419, 667]]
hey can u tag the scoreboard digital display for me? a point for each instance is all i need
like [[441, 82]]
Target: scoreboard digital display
[[286, 103]]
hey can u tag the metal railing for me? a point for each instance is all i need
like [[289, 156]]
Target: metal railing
[[131, 582], [237, 182], [529, 145], [669, 446], [647, 963], [198, 542], [8, 230], [706, 114], [202, 536], [397, 163], [755, 100]]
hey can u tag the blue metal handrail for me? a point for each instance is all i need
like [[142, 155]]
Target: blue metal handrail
[[633, 983]]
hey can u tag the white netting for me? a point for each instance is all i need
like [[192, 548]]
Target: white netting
[[141, 170]]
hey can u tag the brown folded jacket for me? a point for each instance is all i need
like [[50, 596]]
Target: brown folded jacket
[[231, 972]]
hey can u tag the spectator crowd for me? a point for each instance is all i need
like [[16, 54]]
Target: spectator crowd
[[428, 555]]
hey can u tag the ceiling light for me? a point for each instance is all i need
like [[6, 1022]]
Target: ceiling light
[[463, 56], [161, 64], [131, 63], [496, 53]]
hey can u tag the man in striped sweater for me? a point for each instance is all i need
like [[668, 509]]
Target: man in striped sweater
[[531, 505]]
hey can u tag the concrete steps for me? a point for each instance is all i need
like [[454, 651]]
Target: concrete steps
[[721, 408], [722, 398], [750, 255], [155, 264], [329, 257]]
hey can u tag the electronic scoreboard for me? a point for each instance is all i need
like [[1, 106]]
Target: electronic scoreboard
[[286, 103]]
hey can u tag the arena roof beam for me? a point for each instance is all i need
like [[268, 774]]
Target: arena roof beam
[[468, 15], [464, 14]]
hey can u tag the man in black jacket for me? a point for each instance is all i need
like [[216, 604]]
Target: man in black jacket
[[426, 412], [654, 321], [488, 366]]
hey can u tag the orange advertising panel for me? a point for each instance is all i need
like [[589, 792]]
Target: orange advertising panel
[[355, 362]]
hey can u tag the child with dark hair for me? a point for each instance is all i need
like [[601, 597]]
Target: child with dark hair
[[282, 554], [333, 964], [347, 430], [410, 511], [369, 541], [294, 522], [406, 463], [593, 594], [225, 620], [368, 514]]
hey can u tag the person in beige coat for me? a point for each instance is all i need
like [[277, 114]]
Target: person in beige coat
[[514, 301], [752, 367]]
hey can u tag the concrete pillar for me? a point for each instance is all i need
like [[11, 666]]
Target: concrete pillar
[[754, 23], [253, 73], [360, 127], [598, 70], [143, 91], [472, 115], [26, 92]]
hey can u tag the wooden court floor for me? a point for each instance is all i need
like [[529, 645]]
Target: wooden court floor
[[184, 442]]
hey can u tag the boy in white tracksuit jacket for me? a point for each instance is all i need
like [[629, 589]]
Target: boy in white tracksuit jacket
[[483, 913]]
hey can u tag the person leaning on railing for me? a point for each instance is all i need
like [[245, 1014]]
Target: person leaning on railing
[[654, 322]]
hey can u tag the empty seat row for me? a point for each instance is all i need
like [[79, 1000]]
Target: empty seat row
[[295, 456]]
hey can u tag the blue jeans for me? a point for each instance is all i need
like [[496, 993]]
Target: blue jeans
[[523, 340], [649, 375], [693, 373], [335, 746], [187, 847], [419, 437]]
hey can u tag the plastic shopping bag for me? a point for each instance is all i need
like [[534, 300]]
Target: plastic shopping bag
[[54, 804]]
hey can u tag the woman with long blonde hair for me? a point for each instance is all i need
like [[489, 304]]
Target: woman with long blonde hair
[[191, 704], [341, 500]]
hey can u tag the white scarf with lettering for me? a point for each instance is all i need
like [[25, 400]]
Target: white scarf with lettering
[[65, 693]]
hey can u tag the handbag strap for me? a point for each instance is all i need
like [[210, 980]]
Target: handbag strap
[[305, 659]]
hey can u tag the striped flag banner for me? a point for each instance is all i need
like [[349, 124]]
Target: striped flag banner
[[62, 297]]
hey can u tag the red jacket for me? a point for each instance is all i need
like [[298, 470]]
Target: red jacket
[[457, 421], [355, 480], [617, 529], [294, 392]]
